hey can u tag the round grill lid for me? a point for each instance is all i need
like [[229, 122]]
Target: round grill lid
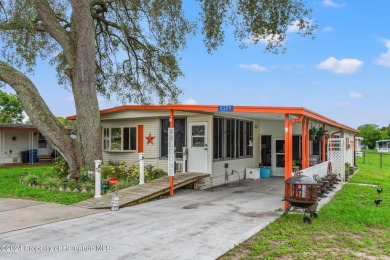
[[300, 179]]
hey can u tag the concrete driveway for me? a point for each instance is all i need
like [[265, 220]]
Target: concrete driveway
[[191, 225]]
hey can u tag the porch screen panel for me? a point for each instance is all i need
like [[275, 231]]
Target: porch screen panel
[[240, 138], [230, 134], [180, 137], [218, 138], [249, 138]]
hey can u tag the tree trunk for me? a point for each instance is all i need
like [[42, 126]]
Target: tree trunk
[[42, 117], [83, 83]]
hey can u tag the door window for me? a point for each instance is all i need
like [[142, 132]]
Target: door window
[[198, 135]]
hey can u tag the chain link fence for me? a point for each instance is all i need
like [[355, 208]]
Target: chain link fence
[[381, 160]]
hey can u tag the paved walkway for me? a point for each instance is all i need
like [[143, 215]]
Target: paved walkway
[[18, 214], [191, 225], [142, 193]]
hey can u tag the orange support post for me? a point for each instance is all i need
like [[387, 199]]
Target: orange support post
[[323, 146], [303, 144], [288, 126], [307, 144], [171, 178], [286, 149]]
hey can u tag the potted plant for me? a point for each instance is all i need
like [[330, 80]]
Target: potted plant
[[317, 133]]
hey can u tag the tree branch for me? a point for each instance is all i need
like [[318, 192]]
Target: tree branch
[[15, 27], [54, 29], [32, 102], [93, 3]]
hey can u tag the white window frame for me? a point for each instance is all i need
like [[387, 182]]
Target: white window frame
[[107, 140]]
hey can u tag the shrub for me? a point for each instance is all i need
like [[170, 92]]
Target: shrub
[[61, 168], [151, 173], [107, 171], [52, 182], [28, 179], [85, 174], [88, 185]]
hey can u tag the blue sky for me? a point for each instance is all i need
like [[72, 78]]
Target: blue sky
[[343, 74]]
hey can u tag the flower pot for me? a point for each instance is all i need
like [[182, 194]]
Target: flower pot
[[112, 181]]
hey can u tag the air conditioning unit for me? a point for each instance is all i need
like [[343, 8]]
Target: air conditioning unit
[[178, 166], [252, 173]]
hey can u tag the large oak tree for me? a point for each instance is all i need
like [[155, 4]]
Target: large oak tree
[[124, 47]]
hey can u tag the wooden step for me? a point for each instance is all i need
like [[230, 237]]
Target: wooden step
[[44, 158]]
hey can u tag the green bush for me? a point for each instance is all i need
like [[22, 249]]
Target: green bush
[[52, 182], [88, 185], [61, 168], [151, 173], [28, 179], [85, 174], [107, 171]]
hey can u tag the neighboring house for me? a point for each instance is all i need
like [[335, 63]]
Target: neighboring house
[[224, 140], [382, 146], [359, 146], [20, 143]]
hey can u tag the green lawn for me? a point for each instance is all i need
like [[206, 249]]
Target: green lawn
[[349, 227], [373, 158], [10, 187]]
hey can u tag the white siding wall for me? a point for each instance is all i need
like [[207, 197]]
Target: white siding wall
[[152, 126], [21, 143]]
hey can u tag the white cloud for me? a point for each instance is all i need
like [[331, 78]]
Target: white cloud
[[384, 58], [71, 98], [190, 101], [294, 27], [328, 29], [355, 95], [343, 66], [331, 3], [274, 38], [253, 67]]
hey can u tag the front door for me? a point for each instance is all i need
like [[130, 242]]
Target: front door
[[197, 147], [43, 146], [278, 157]]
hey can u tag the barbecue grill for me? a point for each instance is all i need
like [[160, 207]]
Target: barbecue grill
[[301, 192]]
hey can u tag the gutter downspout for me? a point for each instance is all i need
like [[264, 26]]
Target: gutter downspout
[[307, 148], [323, 144], [338, 132], [333, 134], [354, 149], [303, 143]]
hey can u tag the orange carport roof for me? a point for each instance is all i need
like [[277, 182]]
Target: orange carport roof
[[236, 109]]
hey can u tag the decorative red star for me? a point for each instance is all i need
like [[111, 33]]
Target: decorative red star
[[150, 138]]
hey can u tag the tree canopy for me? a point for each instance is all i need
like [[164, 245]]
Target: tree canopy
[[11, 111], [130, 48], [370, 134]]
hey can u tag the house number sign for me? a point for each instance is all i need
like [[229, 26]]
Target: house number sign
[[228, 108], [171, 152]]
